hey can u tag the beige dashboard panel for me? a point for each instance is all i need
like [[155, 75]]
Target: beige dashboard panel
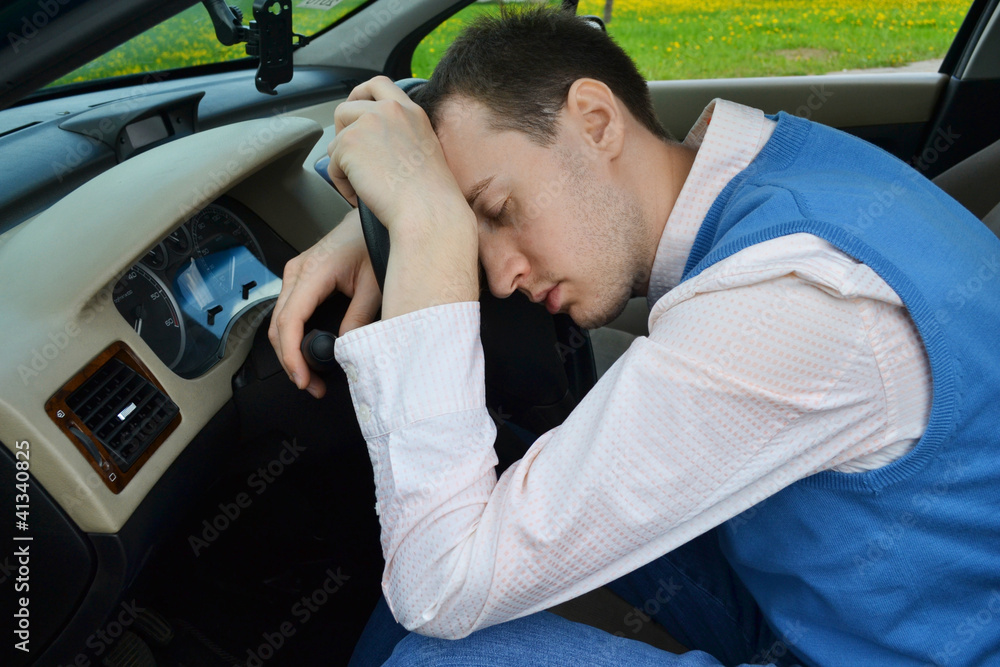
[[57, 271], [312, 207], [838, 100]]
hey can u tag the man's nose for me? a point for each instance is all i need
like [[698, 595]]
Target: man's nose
[[506, 268]]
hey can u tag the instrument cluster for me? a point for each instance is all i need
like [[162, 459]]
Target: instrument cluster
[[185, 294]]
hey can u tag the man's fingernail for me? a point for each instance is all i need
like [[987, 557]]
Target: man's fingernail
[[295, 379], [314, 391]]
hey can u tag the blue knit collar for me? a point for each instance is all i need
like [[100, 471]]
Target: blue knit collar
[[778, 153]]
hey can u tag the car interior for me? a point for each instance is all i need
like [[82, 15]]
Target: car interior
[[185, 503]]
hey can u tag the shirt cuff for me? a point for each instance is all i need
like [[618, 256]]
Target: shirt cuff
[[416, 366]]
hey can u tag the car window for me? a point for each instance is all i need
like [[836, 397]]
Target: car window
[[701, 39], [188, 39]]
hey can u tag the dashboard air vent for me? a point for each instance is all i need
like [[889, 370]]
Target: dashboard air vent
[[123, 410], [116, 413]]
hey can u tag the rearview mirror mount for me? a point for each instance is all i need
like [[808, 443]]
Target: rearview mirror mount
[[269, 37]]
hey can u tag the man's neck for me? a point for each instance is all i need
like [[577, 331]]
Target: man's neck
[[659, 174]]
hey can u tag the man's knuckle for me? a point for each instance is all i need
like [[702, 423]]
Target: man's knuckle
[[391, 108], [283, 319], [348, 139]]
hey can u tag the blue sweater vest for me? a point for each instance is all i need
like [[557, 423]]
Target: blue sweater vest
[[899, 565]]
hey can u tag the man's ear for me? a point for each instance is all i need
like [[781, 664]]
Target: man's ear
[[593, 108]]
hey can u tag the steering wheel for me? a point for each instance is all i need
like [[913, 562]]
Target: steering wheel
[[376, 235], [377, 240]]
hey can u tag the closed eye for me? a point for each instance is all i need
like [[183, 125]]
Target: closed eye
[[496, 217]]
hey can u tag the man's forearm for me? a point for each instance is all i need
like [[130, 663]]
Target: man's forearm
[[431, 451], [434, 260]]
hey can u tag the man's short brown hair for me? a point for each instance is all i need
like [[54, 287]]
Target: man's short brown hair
[[521, 64]]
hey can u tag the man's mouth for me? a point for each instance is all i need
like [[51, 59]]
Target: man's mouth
[[550, 298], [553, 299]]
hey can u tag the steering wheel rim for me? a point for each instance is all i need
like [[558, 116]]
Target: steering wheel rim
[[376, 235], [377, 240]]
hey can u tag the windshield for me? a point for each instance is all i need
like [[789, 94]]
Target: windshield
[[188, 39]]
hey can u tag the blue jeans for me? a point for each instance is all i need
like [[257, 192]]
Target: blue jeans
[[691, 591]]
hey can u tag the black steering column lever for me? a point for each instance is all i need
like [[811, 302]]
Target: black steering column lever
[[318, 349]]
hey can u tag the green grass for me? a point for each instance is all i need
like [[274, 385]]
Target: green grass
[[669, 39], [684, 39], [189, 39]]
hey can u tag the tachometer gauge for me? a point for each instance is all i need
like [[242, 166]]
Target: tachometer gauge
[[214, 228], [146, 304]]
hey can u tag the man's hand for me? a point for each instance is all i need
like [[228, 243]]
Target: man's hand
[[386, 150], [338, 262], [381, 134]]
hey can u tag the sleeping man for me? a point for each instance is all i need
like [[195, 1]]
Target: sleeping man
[[805, 446]]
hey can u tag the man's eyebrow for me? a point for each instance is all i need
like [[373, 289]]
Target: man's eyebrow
[[477, 190]]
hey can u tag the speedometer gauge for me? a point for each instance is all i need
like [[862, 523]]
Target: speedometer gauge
[[146, 304]]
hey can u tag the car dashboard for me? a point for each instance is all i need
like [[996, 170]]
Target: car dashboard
[[145, 287]]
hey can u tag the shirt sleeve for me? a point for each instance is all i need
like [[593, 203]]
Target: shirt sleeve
[[735, 394]]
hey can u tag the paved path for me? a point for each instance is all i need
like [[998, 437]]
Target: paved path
[[921, 66]]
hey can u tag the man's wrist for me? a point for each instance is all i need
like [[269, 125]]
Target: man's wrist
[[414, 366], [432, 263]]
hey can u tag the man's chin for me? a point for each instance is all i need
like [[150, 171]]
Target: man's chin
[[594, 319]]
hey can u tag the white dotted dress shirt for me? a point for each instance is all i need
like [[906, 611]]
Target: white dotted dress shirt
[[783, 360]]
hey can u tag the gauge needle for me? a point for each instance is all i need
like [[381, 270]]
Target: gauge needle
[[139, 313], [232, 272]]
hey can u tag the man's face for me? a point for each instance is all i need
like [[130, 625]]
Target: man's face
[[553, 222]]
